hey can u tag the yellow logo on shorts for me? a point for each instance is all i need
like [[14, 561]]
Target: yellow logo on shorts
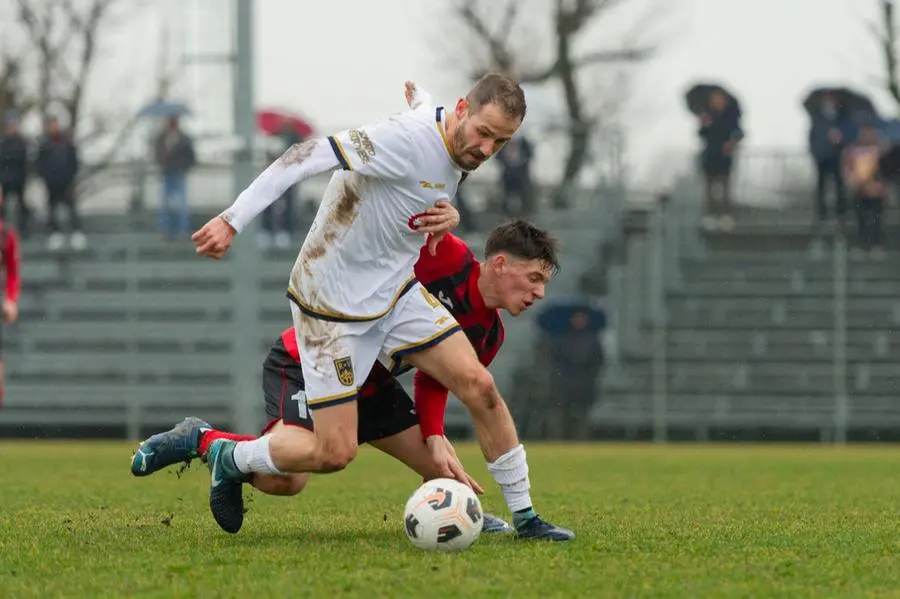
[[344, 369]]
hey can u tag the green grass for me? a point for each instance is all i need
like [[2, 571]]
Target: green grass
[[651, 521]]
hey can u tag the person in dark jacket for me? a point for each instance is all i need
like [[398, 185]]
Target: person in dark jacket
[[278, 218], [577, 360], [175, 157], [14, 169], [515, 161], [828, 136], [720, 130], [57, 166]]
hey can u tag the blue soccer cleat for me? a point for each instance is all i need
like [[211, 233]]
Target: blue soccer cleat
[[492, 523], [179, 444], [537, 528], [226, 499]]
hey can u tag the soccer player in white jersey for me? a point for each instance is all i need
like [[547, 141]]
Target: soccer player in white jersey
[[354, 298]]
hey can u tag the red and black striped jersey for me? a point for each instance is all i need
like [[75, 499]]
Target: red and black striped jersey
[[452, 277]]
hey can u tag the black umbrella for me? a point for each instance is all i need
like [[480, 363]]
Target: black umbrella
[[850, 103], [698, 97], [556, 318]]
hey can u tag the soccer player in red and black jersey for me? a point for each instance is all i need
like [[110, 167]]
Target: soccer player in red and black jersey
[[520, 259], [9, 255]]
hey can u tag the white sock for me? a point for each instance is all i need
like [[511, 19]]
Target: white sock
[[254, 456], [511, 472]]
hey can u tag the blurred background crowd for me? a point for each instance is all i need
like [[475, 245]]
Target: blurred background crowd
[[729, 290]]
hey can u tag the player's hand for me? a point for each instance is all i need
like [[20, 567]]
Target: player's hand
[[437, 221], [10, 311], [410, 92], [214, 238], [448, 464]]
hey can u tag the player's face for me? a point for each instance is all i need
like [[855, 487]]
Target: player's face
[[480, 135], [520, 283]]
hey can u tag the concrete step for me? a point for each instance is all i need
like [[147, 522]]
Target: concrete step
[[785, 289], [735, 409], [738, 319], [751, 272]]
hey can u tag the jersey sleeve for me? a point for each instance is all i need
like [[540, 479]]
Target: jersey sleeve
[[382, 150], [431, 403], [300, 162], [420, 98], [13, 263], [451, 255]]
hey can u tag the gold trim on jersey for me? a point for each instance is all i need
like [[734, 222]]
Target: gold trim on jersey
[[339, 317], [338, 149], [331, 400], [440, 126], [422, 345]]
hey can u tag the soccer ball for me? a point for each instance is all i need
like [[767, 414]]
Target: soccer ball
[[443, 515]]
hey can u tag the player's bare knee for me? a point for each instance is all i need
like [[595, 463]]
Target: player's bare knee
[[337, 454], [479, 390]]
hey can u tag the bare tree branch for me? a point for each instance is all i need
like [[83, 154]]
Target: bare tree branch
[[888, 42], [509, 17], [499, 54], [570, 18]]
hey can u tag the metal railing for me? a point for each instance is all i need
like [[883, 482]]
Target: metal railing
[[656, 246]]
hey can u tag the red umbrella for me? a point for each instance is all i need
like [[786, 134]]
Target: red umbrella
[[271, 122]]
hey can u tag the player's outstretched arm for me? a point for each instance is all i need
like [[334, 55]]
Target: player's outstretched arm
[[300, 162], [381, 151], [431, 403]]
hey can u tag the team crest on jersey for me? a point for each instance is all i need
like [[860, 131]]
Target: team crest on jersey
[[344, 369], [364, 147]]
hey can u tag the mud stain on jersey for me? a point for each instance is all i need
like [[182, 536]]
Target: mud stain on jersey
[[342, 215], [297, 153], [347, 206]]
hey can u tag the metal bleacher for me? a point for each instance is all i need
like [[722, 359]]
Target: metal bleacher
[[134, 333], [752, 336], [132, 330]]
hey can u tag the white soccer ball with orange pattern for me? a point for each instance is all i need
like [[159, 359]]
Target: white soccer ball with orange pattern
[[443, 515]]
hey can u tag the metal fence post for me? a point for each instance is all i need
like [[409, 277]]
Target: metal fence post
[[840, 339], [133, 407], [245, 254], [657, 293]]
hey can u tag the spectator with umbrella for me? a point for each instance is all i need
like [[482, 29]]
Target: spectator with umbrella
[[285, 129], [576, 356], [719, 114], [175, 156], [832, 112], [861, 164]]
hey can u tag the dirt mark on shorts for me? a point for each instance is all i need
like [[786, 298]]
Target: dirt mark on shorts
[[317, 333]]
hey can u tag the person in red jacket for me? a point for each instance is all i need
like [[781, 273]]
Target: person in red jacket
[[520, 260], [9, 248]]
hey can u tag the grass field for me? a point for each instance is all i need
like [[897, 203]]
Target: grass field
[[716, 521]]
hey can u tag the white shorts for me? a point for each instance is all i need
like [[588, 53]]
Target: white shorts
[[337, 357]]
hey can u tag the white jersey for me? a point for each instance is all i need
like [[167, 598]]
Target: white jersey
[[358, 257]]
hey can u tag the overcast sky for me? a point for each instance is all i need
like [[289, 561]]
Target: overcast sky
[[343, 62]]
